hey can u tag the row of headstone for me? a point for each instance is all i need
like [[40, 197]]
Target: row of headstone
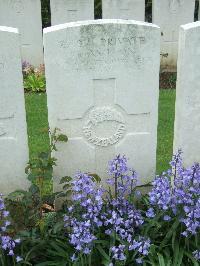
[[63, 11], [106, 75], [26, 16], [170, 15]]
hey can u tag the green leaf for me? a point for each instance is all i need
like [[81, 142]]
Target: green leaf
[[31, 177], [95, 177], [103, 253], [179, 258], [169, 233], [65, 179], [62, 138], [161, 260], [66, 186]]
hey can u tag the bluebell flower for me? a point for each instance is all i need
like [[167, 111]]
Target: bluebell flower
[[150, 213], [118, 253], [7, 243], [196, 255]]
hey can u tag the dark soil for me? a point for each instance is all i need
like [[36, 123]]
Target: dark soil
[[167, 80]]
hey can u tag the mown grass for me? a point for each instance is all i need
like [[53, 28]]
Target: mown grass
[[36, 107], [37, 121], [165, 129]]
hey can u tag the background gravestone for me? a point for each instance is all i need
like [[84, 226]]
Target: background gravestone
[[102, 87], [169, 15], [13, 132], [187, 120], [63, 11], [26, 16], [126, 9]]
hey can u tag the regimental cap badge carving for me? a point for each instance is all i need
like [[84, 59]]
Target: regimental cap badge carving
[[102, 120]]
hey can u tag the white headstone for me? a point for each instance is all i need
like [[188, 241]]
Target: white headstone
[[26, 16], [169, 15], [187, 120], [13, 132], [126, 9], [63, 11], [102, 86]]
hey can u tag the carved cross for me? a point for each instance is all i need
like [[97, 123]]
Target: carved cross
[[106, 124]]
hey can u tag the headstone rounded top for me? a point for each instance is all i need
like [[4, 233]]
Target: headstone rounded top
[[99, 22], [191, 25], [9, 29]]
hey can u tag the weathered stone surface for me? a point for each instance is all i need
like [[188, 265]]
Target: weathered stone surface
[[187, 120], [13, 132], [169, 15], [26, 16], [63, 11], [126, 9], [102, 86]]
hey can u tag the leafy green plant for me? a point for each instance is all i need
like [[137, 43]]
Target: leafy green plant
[[35, 83], [115, 226], [39, 172], [34, 78]]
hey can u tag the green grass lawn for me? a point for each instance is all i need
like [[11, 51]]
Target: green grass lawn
[[165, 129], [36, 108]]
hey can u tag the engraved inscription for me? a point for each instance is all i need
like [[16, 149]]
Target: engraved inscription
[[104, 119], [104, 51], [103, 42]]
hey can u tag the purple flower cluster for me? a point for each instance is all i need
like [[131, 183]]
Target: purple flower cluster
[[142, 245], [118, 252], [177, 193], [160, 195], [7, 243], [116, 216], [118, 166], [121, 218], [87, 200]]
